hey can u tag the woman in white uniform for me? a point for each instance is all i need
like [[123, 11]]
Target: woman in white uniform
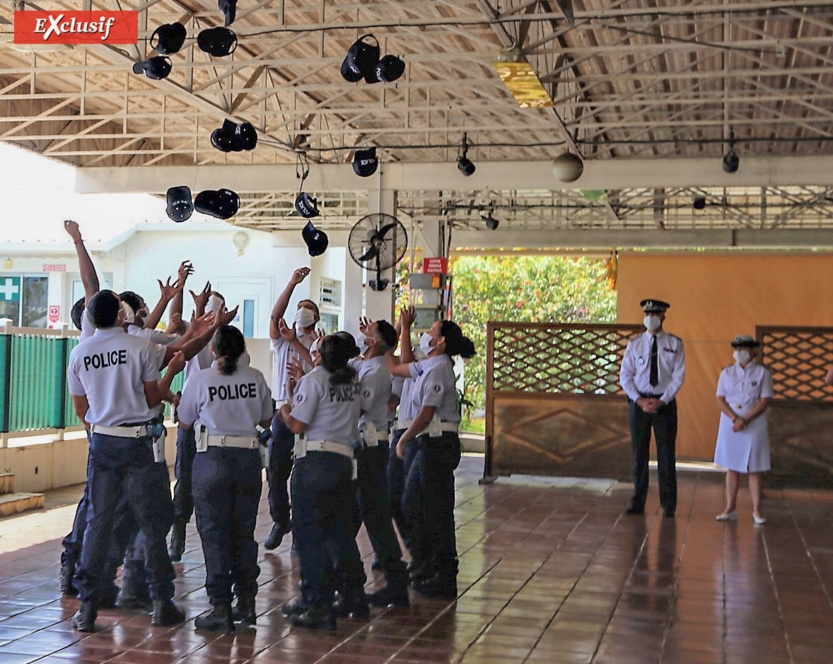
[[229, 400], [743, 395]]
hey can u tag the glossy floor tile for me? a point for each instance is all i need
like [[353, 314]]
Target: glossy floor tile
[[551, 571]]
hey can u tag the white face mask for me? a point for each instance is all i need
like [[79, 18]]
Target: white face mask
[[304, 318], [214, 304], [652, 322], [361, 341], [129, 316], [742, 356], [313, 350], [425, 343]]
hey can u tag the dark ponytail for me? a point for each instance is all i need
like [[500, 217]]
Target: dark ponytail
[[456, 343], [229, 345], [336, 351]]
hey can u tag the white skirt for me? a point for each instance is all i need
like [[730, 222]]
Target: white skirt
[[747, 450]]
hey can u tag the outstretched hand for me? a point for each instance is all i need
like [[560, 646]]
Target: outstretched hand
[[201, 298], [299, 275], [168, 290], [71, 227], [287, 333], [186, 269]]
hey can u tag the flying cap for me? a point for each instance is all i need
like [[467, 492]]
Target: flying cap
[[222, 204], [315, 240], [365, 162], [180, 207]]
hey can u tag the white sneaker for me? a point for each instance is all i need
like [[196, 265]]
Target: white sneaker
[[759, 520], [730, 516]]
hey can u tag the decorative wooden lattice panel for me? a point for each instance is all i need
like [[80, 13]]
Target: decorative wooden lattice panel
[[799, 358], [553, 401], [557, 359]]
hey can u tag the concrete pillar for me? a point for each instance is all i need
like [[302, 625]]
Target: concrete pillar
[[379, 304]]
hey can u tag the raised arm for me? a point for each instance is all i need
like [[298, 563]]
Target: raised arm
[[282, 302], [406, 319], [166, 294], [175, 313], [89, 277]]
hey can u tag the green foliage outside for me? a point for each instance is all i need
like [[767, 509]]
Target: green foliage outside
[[523, 289]]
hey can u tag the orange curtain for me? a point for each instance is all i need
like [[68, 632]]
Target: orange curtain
[[713, 299]]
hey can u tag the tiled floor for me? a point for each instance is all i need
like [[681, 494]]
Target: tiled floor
[[551, 572]]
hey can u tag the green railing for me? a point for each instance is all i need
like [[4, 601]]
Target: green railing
[[33, 380]]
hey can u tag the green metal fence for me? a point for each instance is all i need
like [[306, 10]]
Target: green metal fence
[[33, 381]]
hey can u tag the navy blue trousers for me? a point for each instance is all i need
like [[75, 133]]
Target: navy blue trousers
[[428, 502], [397, 471], [280, 467], [323, 501], [664, 425], [123, 469], [227, 486], [374, 506], [186, 448]]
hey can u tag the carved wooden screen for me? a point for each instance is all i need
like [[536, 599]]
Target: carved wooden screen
[[553, 399], [799, 358], [801, 415]]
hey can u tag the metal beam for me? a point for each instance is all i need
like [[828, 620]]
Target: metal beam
[[443, 176]]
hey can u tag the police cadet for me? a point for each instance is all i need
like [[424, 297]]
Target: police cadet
[[89, 278], [398, 469], [288, 343], [428, 501], [653, 371], [115, 384], [206, 302], [231, 403], [325, 409], [376, 340], [743, 395]]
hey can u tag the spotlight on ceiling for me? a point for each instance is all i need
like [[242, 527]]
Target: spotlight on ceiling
[[491, 222], [699, 203], [567, 167], [731, 161], [463, 162]]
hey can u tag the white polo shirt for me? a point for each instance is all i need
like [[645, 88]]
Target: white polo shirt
[[434, 385], [110, 369], [375, 382], [283, 354], [331, 412], [227, 405]]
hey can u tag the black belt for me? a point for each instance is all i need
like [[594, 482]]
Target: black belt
[[650, 396]]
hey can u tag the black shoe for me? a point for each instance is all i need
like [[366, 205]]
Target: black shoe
[[66, 577], [177, 547], [668, 513], [275, 537], [132, 599], [377, 565], [245, 610], [633, 509], [340, 606], [219, 619], [438, 587], [295, 607], [317, 617], [390, 595], [355, 602], [166, 613], [84, 620], [419, 574], [107, 597]]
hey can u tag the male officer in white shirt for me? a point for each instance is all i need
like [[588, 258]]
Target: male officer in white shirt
[[115, 385], [653, 371], [288, 343]]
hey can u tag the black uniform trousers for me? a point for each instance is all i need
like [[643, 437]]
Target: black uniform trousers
[[323, 503], [186, 448], [123, 468], [280, 467], [374, 507], [397, 471], [227, 486], [428, 503], [664, 425]]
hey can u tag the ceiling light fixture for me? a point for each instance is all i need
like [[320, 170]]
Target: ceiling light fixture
[[731, 161], [491, 222], [463, 162]]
